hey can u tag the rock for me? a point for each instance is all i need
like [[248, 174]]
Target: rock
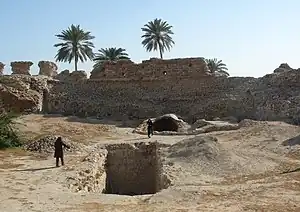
[[46, 145], [204, 126], [283, 68], [165, 124], [22, 93]]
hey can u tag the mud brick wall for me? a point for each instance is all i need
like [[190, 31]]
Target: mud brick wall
[[133, 169]]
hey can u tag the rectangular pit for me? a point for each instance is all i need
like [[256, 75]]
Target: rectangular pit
[[133, 169]]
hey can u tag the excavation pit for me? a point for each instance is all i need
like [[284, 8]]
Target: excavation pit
[[134, 169]]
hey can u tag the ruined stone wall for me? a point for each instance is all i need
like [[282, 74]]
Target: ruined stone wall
[[272, 97], [2, 65], [21, 67], [133, 169], [189, 98], [47, 68], [153, 68]]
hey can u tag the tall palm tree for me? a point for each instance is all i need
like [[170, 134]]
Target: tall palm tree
[[109, 54], [76, 45], [216, 65], [157, 36]]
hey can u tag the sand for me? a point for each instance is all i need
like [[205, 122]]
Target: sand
[[240, 170]]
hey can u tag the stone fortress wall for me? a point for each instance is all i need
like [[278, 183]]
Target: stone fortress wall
[[181, 86]]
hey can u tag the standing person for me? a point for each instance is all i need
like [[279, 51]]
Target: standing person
[[150, 127], [59, 153]]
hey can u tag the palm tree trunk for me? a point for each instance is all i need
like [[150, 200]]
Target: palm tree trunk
[[76, 62], [160, 50]]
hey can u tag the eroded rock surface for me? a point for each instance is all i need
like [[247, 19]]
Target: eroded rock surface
[[47, 68]]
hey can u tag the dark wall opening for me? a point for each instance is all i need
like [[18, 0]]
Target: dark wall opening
[[165, 124], [45, 108]]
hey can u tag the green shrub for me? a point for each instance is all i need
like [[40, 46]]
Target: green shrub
[[8, 136]]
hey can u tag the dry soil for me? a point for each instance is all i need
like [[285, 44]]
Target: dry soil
[[243, 170]]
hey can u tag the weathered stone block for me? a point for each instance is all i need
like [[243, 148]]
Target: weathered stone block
[[21, 67], [47, 68], [2, 65]]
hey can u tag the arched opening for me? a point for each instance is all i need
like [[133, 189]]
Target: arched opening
[[165, 124]]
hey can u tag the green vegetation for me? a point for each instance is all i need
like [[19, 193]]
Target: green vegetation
[[157, 36], [109, 54], [76, 45], [216, 65], [8, 136]]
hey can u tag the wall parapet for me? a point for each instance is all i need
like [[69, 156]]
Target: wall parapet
[[2, 65], [47, 68], [21, 67]]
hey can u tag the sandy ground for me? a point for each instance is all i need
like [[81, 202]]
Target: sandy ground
[[244, 173]]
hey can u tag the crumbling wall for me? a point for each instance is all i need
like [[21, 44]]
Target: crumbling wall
[[133, 169], [21, 67], [74, 76], [202, 97], [152, 69], [47, 68], [2, 65]]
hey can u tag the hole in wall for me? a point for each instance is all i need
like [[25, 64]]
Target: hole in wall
[[134, 169], [165, 124]]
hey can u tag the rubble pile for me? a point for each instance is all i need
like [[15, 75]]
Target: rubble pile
[[46, 145]]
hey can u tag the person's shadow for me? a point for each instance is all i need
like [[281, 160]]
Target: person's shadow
[[33, 170]]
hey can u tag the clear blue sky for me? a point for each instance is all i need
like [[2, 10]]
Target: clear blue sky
[[252, 37]]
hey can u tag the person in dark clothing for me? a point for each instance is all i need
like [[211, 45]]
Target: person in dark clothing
[[58, 152], [150, 128]]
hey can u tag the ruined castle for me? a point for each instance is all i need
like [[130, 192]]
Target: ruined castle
[[154, 87]]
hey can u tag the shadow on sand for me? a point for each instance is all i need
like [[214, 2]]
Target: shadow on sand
[[34, 170], [292, 141], [92, 120]]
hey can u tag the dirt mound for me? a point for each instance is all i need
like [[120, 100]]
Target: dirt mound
[[251, 123], [165, 124], [46, 145], [199, 147]]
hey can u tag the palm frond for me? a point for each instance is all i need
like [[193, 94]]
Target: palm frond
[[216, 65], [76, 43], [109, 54], [157, 36]]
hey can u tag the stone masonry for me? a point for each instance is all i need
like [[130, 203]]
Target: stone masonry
[[272, 97], [2, 65], [153, 68], [133, 169], [21, 67], [47, 68]]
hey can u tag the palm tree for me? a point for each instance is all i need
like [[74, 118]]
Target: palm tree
[[109, 54], [216, 65], [157, 36], [76, 45]]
